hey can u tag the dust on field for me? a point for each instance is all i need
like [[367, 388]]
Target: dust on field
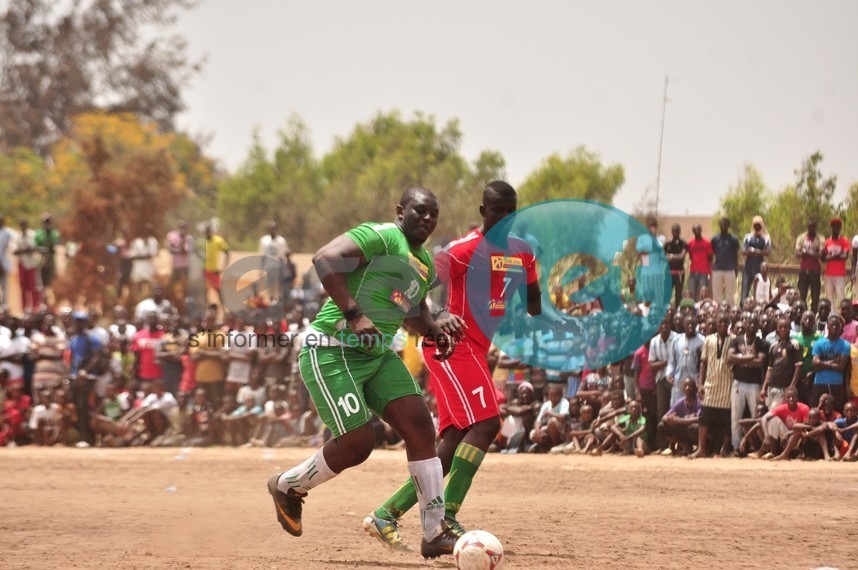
[[209, 508]]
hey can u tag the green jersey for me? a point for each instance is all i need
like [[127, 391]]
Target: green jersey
[[806, 344], [388, 288], [629, 426]]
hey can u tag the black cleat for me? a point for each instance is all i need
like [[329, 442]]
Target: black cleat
[[454, 527], [441, 545], [288, 507]]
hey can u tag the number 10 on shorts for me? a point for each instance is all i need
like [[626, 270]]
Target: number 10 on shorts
[[349, 404]]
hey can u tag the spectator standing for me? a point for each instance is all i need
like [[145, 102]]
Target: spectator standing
[[215, 245], [808, 247], [47, 347], [144, 250], [684, 358], [28, 268], [747, 355], [273, 250], [147, 343], [834, 254], [676, 249], [659, 355], [725, 247], [47, 239], [206, 349], [855, 267], [830, 357], [717, 381], [755, 247], [701, 253], [157, 303], [850, 325], [806, 338], [180, 244], [784, 366], [6, 237]]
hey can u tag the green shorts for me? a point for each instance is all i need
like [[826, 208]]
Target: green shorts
[[347, 384]]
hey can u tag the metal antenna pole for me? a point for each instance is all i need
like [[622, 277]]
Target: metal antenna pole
[[660, 145]]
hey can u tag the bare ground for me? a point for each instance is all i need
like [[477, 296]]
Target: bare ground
[[208, 508]]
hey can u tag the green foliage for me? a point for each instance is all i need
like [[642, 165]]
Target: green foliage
[[787, 212], [747, 198], [285, 188], [580, 175], [24, 191]]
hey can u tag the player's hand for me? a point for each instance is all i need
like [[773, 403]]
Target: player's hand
[[762, 395], [443, 343], [453, 325], [365, 330]]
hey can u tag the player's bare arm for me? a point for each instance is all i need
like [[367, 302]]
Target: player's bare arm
[[333, 261]]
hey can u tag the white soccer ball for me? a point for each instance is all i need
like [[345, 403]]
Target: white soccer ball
[[478, 550]]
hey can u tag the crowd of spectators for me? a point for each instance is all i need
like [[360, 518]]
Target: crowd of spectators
[[773, 376]]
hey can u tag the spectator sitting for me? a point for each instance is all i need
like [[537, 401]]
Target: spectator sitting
[[240, 423], [43, 425], [629, 432], [549, 427], [778, 423], [580, 434], [200, 424], [179, 424], [680, 424], [845, 432], [752, 435], [518, 419]]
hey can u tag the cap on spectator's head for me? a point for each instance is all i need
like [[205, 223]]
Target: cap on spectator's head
[[80, 316], [836, 221], [527, 385]]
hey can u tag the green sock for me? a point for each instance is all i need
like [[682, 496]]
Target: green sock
[[465, 464], [399, 503]]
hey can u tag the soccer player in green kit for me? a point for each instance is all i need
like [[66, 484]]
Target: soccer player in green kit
[[377, 276], [468, 411]]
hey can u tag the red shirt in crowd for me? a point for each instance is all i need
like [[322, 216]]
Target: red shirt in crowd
[[792, 417], [836, 267], [145, 344], [699, 251]]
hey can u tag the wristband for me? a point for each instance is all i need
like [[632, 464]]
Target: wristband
[[352, 313]]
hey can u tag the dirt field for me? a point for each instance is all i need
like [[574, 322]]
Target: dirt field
[[208, 508]]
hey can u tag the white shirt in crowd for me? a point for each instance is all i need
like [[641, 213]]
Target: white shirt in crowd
[[146, 306], [274, 248], [143, 269], [27, 240], [164, 404], [13, 345]]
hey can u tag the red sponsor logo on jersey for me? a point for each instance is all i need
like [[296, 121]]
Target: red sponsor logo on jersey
[[400, 300], [506, 263]]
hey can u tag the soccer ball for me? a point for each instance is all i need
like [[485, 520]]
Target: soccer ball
[[478, 550]]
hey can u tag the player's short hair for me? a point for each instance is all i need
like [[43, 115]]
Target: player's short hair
[[500, 189], [413, 193]]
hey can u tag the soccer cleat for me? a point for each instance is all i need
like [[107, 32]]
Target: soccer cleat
[[288, 507], [454, 527], [386, 531], [441, 545]]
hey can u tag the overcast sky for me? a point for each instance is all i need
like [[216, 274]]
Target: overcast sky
[[761, 82]]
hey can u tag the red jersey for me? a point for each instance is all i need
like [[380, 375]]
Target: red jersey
[[792, 417], [497, 274], [699, 250]]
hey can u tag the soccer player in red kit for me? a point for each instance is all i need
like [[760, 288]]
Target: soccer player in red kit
[[469, 418]]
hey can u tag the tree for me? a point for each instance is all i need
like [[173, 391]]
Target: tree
[[60, 59], [580, 175], [366, 173], [24, 189], [747, 198], [131, 181], [285, 188], [815, 192]]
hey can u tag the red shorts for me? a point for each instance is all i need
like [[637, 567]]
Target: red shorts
[[463, 387], [213, 279]]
